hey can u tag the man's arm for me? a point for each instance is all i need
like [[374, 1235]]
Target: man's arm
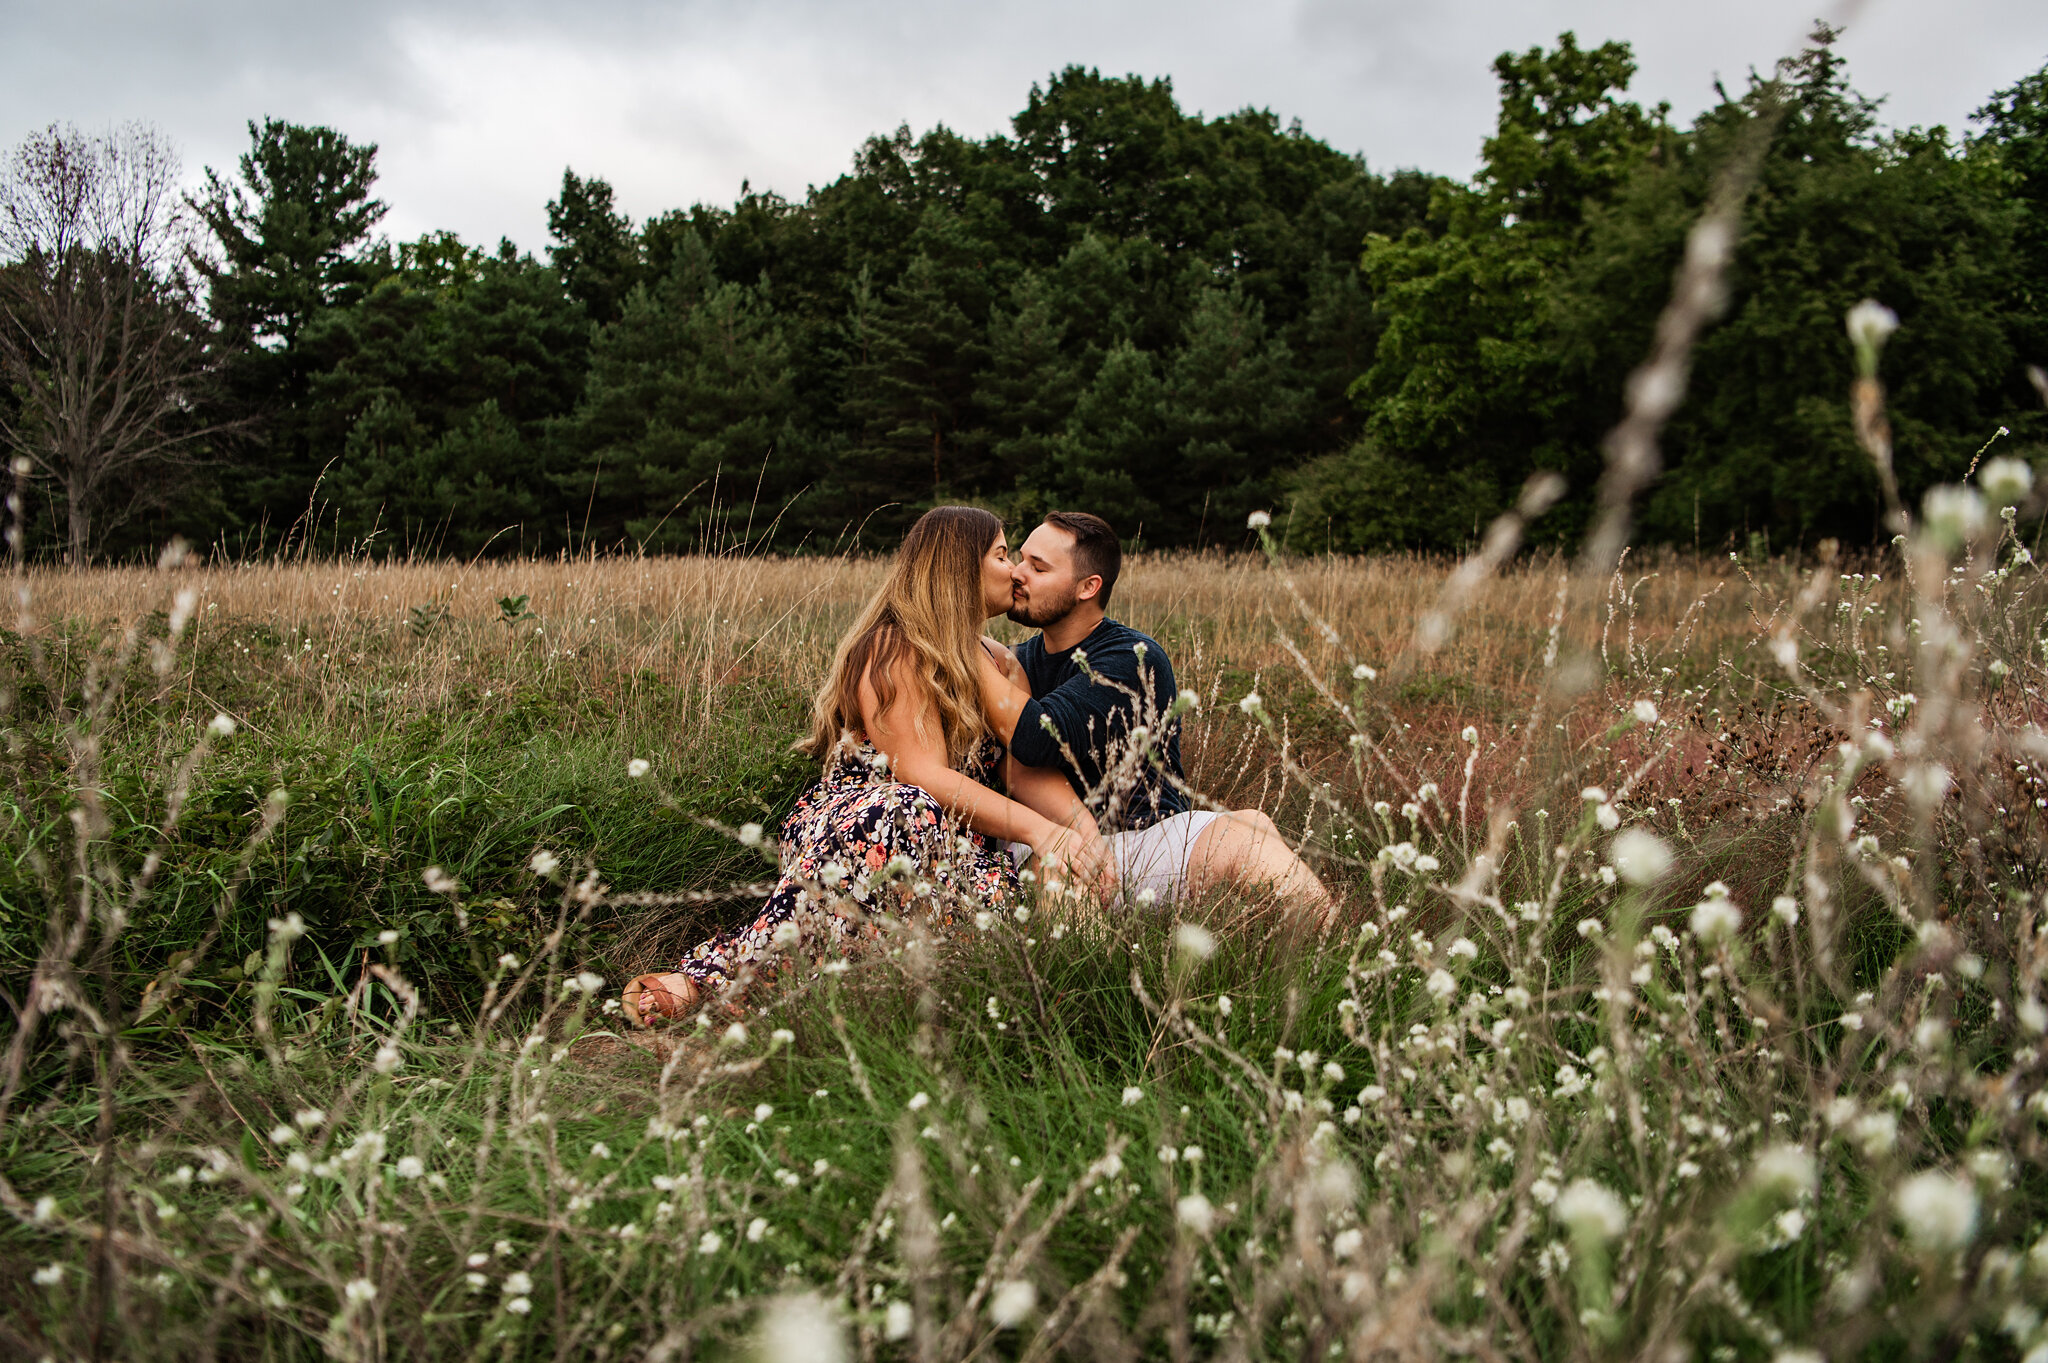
[[1047, 791], [1003, 695]]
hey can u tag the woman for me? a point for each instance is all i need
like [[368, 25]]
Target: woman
[[908, 813]]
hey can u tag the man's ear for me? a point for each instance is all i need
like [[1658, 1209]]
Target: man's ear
[[1089, 587]]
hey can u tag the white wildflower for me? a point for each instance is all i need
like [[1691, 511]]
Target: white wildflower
[[1607, 816], [1440, 984], [638, 768], [1786, 909], [801, 1329], [735, 1035], [1640, 856], [520, 1306], [1133, 1095], [410, 1166], [757, 1230], [750, 834], [1465, 948], [1785, 1170], [898, 1321], [1195, 940], [49, 1275], [710, 1242], [544, 862], [1591, 1210], [1470, 734], [1716, 917], [1645, 711], [1925, 783], [1955, 514], [1938, 1210], [1870, 324], [221, 726], [1011, 1303], [1258, 520], [1194, 1212], [1251, 704], [360, 1290], [2006, 480], [919, 1101]]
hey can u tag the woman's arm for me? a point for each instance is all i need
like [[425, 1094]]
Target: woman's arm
[[916, 751]]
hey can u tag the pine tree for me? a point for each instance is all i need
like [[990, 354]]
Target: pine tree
[[291, 236], [684, 414], [594, 248]]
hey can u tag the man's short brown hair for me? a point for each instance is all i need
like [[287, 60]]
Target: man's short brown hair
[[1097, 552]]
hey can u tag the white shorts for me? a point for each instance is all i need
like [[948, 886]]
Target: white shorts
[[1154, 858]]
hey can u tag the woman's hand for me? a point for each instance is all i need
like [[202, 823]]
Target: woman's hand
[[1003, 691], [1005, 659]]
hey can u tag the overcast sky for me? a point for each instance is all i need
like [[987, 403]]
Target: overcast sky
[[477, 106]]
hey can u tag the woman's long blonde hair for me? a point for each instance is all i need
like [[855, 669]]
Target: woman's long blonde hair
[[929, 609]]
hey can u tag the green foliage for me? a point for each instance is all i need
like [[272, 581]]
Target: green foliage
[[1172, 319], [1360, 499], [437, 391], [593, 251], [692, 387], [1509, 338], [291, 235]]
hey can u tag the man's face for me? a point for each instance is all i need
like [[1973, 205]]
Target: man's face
[[1043, 589]]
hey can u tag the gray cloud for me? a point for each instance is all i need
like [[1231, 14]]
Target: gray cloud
[[477, 106]]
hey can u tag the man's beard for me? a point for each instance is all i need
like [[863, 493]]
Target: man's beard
[[1044, 610]]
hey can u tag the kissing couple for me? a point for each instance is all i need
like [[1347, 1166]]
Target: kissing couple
[[950, 760]]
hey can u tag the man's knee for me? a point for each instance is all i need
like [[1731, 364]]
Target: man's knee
[[1232, 842], [1255, 822]]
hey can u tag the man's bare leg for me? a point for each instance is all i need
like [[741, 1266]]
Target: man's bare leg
[[1244, 848]]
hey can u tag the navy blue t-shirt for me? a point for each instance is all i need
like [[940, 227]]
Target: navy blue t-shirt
[[1093, 718]]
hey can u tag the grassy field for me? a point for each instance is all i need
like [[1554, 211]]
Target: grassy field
[[1686, 1003]]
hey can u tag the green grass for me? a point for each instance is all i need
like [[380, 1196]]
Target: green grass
[[1398, 1200]]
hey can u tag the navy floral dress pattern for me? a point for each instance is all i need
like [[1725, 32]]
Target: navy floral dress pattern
[[858, 849]]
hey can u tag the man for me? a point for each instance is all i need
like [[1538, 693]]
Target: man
[[1094, 699]]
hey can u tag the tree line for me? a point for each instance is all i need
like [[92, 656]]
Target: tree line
[[1168, 319]]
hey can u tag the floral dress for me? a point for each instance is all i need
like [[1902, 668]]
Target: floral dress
[[857, 849]]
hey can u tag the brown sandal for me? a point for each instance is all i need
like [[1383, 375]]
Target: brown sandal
[[646, 995]]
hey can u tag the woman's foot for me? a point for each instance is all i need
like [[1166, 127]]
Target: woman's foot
[[668, 997]]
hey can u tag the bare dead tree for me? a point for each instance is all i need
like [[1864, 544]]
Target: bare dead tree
[[99, 340]]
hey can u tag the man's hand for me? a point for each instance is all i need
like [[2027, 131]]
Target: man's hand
[[1081, 863]]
